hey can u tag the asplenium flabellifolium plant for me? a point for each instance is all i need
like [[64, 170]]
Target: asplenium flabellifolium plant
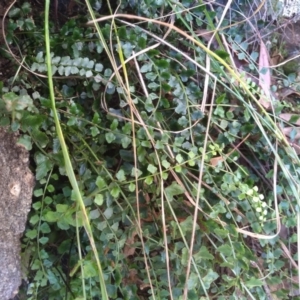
[[147, 154]]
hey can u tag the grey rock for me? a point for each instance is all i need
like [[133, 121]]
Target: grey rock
[[16, 186]]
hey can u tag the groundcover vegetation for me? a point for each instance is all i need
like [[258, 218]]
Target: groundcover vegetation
[[160, 173]]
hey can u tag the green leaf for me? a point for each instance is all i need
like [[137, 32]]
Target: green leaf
[[41, 138], [253, 282], [107, 72], [151, 76], [25, 140], [114, 124], [225, 250], [146, 144], [210, 277], [159, 145], [187, 225], [126, 141], [44, 228], [110, 137], [24, 101], [191, 154], [50, 188], [61, 70], [96, 118], [108, 213], [29, 24], [223, 123], [294, 118], [44, 165], [178, 169], [89, 269], [88, 74], [90, 64], [102, 225], [219, 111], [34, 219], [94, 131], [96, 86], [32, 234], [127, 49], [221, 232], [65, 226], [241, 56], [217, 209], [162, 63], [56, 60], [61, 208], [100, 182], [146, 67], [179, 158], [94, 214], [51, 216], [220, 99], [121, 175], [14, 12], [4, 121], [222, 54], [44, 240], [99, 199], [40, 57], [126, 129], [36, 265], [136, 172], [203, 253], [66, 61], [191, 163], [153, 86], [33, 121], [152, 169], [112, 291], [181, 105], [165, 164], [173, 190], [165, 175], [98, 67], [192, 282], [149, 180], [184, 256], [38, 192], [123, 32], [118, 277], [131, 187], [142, 42], [15, 126], [114, 190]]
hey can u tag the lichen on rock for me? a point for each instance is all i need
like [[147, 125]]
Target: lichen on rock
[[16, 186]]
